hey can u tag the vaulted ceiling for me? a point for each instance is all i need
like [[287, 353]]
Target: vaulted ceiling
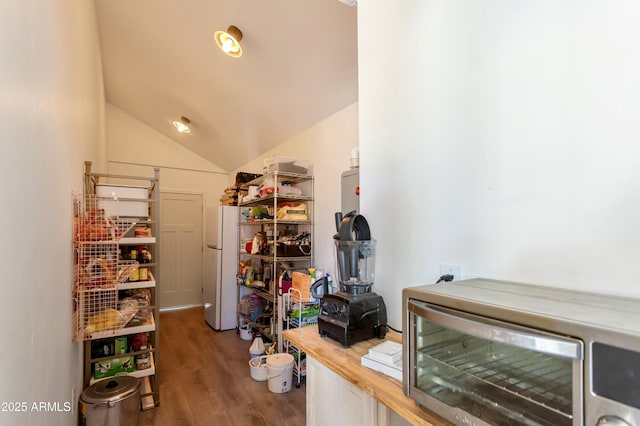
[[160, 62]]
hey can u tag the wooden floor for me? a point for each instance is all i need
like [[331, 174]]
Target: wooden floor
[[205, 379]]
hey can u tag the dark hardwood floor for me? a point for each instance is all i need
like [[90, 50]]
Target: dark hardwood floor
[[205, 379]]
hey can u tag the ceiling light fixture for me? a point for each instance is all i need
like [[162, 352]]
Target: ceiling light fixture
[[229, 41], [183, 125]]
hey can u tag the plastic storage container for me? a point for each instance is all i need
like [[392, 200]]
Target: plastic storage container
[[124, 208], [255, 306], [283, 163]]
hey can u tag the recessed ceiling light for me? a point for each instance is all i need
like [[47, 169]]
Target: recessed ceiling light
[[229, 41], [182, 125]]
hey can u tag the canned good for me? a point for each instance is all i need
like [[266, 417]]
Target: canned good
[[143, 274], [135, 275], [139, 342], [143, 361]]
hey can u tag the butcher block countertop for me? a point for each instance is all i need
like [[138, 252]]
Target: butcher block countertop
[[346, 363]]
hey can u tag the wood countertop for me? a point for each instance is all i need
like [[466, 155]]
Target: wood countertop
[[346, 363]]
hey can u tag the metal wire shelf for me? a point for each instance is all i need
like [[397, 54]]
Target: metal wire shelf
[[97, 270], [93, 221], [98, 312]]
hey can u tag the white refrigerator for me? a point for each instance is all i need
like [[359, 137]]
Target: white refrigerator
[[220, 289]]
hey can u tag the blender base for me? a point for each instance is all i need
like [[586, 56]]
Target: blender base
[[349, 318]]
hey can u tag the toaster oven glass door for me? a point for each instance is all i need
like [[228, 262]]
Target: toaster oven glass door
[[498, 373]]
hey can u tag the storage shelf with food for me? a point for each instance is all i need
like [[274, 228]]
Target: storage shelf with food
[[266, 221], [132, 355], [264, 294], [136, 241], [264, 183], [258, 326], [268, 258], [149, 324], [128, 308], [132, 285], [275, 233], [271, 198], [109, 369]]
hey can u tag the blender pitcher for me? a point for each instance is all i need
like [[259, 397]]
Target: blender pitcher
[[355, 262]]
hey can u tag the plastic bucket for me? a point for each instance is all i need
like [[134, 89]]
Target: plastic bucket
[[280, 372], [245, 332], [258, 368]]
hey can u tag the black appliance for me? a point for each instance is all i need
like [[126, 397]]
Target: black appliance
[[349, 318], [355, 313]]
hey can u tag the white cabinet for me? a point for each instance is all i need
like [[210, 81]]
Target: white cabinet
[[332, 400]]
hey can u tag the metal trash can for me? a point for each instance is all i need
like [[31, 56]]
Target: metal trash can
[[111, 402]]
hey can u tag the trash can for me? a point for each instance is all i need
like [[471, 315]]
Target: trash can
[[111, 402]]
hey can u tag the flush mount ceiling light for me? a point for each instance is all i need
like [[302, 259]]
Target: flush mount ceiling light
[[229, 41], [183, 125]]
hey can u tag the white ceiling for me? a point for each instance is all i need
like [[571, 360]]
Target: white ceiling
[[160, 62]]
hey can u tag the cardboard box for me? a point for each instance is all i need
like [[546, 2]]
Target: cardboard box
[[113, 366], [109, 347], [301, 282]]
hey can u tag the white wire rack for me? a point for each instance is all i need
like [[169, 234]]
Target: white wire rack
[[92, 221], [97, 270], [300, 311], [100, 314]]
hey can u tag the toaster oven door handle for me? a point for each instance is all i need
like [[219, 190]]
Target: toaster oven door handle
[[499, 331]]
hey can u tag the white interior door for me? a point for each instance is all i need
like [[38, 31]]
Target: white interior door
[[181, 249]]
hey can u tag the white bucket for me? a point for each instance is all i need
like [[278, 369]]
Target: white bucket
[[258, 368], [245, 332], [280, 372]]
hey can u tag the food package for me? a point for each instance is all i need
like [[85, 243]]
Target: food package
[[113, 366], [292, 211], [269, 187], [108, 347], [302, 283], [104, 320], [96, 225], [142, 231], [143, 361], [96, 272]]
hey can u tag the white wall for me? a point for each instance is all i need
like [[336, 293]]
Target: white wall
[[328, 146], [52, 119], [134, 149], [510, 132]]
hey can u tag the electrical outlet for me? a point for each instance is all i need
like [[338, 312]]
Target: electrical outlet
[[449, 269]]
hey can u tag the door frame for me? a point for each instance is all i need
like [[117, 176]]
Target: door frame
[[203, 237]]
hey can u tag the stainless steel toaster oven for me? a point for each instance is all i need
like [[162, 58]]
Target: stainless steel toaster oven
[[486, 352]]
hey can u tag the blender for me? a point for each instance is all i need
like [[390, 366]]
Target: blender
[[354, 313]]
